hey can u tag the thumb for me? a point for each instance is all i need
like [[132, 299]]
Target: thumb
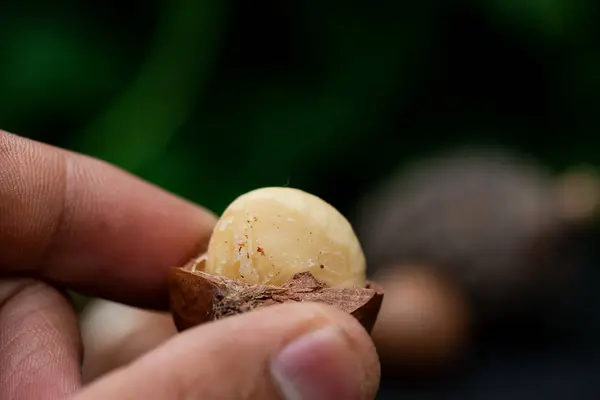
[[290, 351]]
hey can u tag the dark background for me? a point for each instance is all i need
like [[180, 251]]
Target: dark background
[[212, 98]]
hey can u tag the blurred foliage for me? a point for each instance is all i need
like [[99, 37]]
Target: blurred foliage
[[213, 98]]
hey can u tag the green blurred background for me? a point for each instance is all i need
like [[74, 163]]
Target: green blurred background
[[212, 98]]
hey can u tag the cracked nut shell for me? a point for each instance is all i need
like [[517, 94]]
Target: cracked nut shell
[[197, 297]]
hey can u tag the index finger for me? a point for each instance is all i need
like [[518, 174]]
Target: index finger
[[79, 222]]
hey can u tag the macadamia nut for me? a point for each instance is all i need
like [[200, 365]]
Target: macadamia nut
[[268, 235]]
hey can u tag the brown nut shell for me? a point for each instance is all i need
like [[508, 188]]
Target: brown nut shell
[[197, 297]]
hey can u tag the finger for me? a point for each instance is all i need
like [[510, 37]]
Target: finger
[[298, 351], [39, 342], [114, 335], [80, 222]]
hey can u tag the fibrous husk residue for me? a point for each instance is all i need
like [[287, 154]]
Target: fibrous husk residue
[[198, 297]]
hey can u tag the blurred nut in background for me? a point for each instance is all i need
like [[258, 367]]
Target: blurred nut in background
[[495, 230], [491, 220], [423, 323]]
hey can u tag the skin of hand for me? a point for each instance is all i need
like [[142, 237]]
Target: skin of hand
[[71, 221], [114, 334]]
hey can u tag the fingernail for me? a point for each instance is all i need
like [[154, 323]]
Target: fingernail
[[318, 366]]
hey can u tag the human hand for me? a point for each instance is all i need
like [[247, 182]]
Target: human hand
[[70, 221]]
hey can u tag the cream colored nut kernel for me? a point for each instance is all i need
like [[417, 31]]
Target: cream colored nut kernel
[[268, 235]]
